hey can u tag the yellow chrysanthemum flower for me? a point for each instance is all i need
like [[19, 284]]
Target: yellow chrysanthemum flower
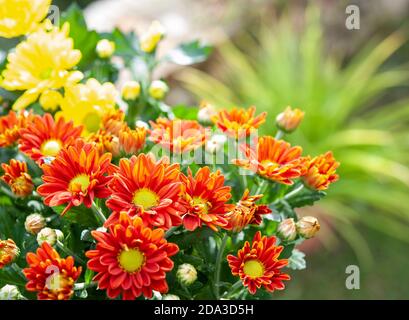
[[19, 17], [86, 104], [41, 62]]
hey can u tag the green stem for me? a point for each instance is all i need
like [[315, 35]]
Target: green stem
[[69, 252], [294, 192], [279, 134], [261, 187], [98, 213], [234, 287], [219, 266], [83, 285], [8, 192]]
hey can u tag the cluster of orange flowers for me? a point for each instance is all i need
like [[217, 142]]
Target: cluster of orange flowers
[[148, 196]]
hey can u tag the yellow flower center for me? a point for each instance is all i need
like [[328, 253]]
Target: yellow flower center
[[202, 204], [145, 198], [131, 260], [253, 268], [81, 181], [56, 282], [92, 121], [45, 74], [51, 147]]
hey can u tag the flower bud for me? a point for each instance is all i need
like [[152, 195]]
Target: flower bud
[[50, 100], [287, 230], [307, 227], [10, 292], [289, 120], [205, 113], [158, 89], [170, 297], [131, 90], [47, 235], [149, 41], [8, 252], [105, 48], [60, 235], [215, 143], [186, 274], [34, 223], [141, 124]]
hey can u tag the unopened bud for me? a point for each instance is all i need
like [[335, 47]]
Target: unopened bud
[[131, 90], [205, 113], [289, 119], [105, 48], [158, 89], [149, 41], [186, 274], [215, 143], [170, 297], [47, 235], [34, 223], [141, 124], [287, 230], [307, 226], [8, 252], [10, 292]]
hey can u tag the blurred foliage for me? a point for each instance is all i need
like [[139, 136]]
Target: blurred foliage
[[345, 111]]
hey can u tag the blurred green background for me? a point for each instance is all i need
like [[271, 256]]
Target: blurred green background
[[353, 85]]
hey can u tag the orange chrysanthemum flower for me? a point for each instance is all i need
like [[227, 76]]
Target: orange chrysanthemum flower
[[273, 159], [289, 119], [77, 175], [17, 177], [131, 259], [206, 197], [44, 137], [246, 212], [113, 122], [177, 135], [51, 276], [10, 126], [258, 265], [105, 142], [321, 171], [148, 188], [238, 122], [132, 141], [8, 252]]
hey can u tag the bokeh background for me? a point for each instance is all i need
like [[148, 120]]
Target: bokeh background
[[353, 85]]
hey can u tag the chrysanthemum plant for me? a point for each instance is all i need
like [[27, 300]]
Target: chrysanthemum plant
[[120, 196]]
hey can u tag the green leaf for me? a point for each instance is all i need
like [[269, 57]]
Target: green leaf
[[125, 44], [84, 40], [189, 53], [80, 215], [297, 260], [185, 112], [305, 197]]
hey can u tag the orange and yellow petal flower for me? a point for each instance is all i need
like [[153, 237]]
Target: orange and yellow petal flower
[[238, 122], [148, 188], [105, 142], [8, 252], [258, 264], [77, 175], [206, 197], [51, 276], [132, 140], [177, 135], [17, 177], [10, 126], [19, 17], [45, 137], [273, 159], [43, 61], [131, 259], [321, 171], [246, 212]]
